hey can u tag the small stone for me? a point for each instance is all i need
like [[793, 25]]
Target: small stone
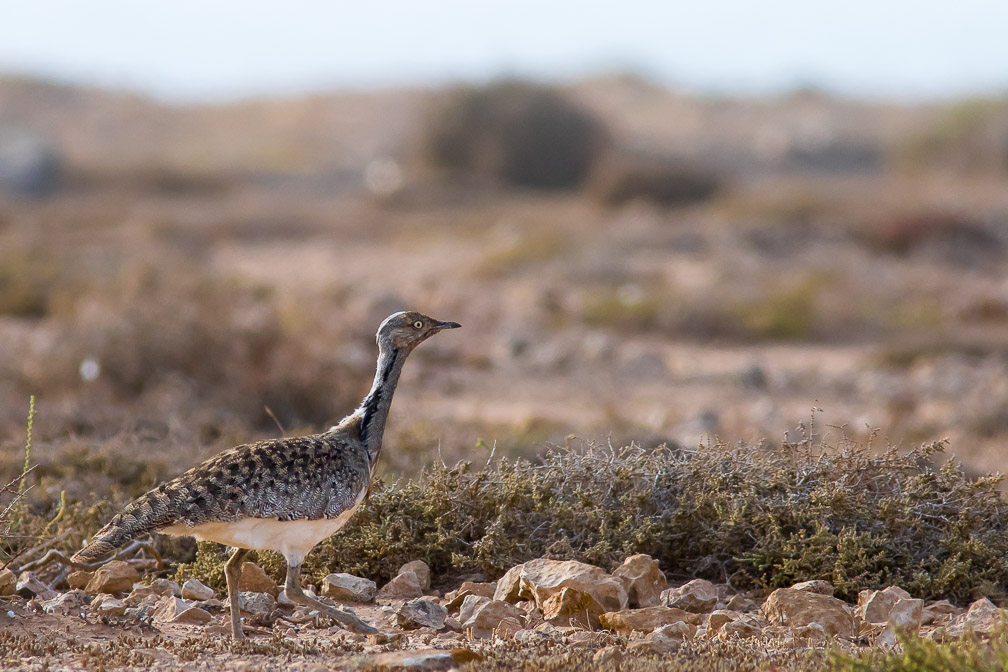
[[453, 624], [525, 636], [470, 605], [76, 579], [874, 605], [663, 641], [404, 586], [644, 620], [539, 579], [194, 589], [572, 607], [678, 630], [581, 638], [813, 633], [797, 608], [509, 586], [8, 582], [117, 576], [422, 571], [698, 596], [907, 614], [938, 611], [815, 586], [348, 588], [29, 586], [741, 603], [65, 604], [144, 612], [258, 604], [643, 580], [507, 628], [254, 579], [887, 639], [743, 627], [453, 600], [982, 618], [608, 655], [424, 660], [421, 613], [718, 618], [106, 605], [652, 646], [165, 587], [140, 594], [168, 607], [193, 615], [488, 616]]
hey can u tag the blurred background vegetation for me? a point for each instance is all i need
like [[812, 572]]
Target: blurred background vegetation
[[630, 262]]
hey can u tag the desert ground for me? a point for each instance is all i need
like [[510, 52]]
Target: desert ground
[[190, 278]]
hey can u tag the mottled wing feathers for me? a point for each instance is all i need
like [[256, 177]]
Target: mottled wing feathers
[[300, 478], [151, 511], [309, 478]]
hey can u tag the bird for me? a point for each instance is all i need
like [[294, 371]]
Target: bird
[[285, 494]]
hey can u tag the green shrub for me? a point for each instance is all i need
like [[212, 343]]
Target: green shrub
[[919, 655], [750, 515], [518, 133]]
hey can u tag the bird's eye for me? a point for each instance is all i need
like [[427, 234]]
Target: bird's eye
[[418, 324]]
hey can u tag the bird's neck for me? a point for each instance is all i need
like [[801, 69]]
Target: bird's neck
[[375, 407]]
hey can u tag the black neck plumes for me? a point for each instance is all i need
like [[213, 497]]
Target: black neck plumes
[[375, 407]]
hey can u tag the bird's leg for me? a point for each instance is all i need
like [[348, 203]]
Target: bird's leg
[[346, 619], [232, 572]]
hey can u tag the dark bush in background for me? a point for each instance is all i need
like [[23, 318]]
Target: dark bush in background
[[515, 132], [952, 237]]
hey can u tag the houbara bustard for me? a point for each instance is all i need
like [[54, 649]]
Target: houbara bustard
[[283, 495]]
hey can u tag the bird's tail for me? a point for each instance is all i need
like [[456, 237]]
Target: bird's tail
[[152, 511]]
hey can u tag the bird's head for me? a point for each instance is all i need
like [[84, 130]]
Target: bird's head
[[407, 329]]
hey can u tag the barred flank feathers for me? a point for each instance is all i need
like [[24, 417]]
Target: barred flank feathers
[[150, 512]]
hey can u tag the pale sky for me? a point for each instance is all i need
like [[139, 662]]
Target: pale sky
[[223, 49]]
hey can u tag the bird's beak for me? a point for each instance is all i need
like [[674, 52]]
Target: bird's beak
[[446, 325]]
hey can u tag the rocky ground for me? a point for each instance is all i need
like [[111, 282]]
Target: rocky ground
[[544, 605]]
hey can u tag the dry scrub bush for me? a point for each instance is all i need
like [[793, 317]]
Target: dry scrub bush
[[753, 516], [969, 137], [518, 133], [661, 180]]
